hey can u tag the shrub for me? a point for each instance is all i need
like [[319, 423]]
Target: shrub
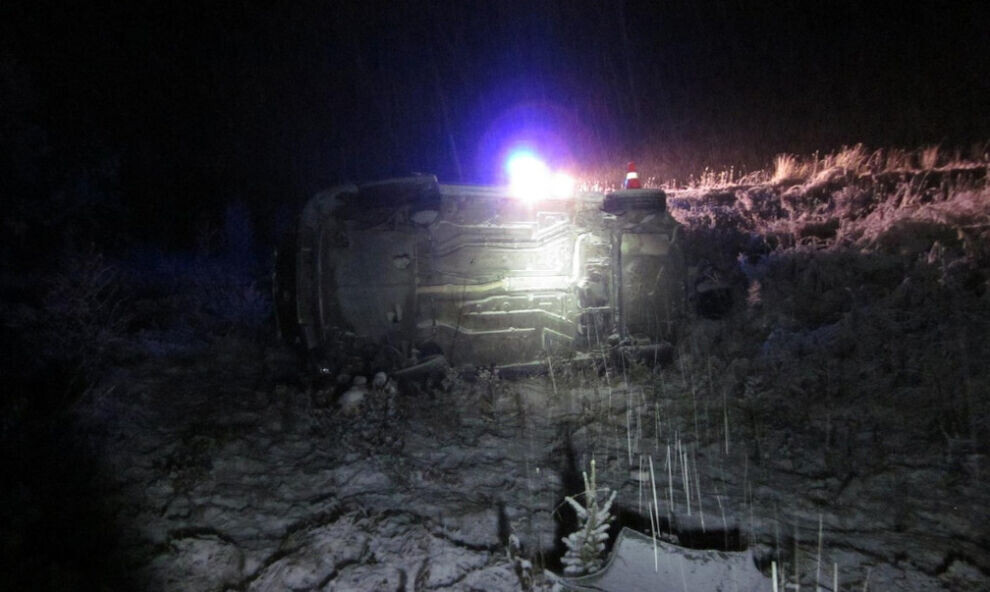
[[85, 314], [586, 545]]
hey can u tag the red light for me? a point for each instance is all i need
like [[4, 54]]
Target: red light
[[632, 177]]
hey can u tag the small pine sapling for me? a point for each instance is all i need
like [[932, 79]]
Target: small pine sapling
[[586, 545]]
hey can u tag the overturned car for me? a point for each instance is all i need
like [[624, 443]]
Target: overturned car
[[413, 270]]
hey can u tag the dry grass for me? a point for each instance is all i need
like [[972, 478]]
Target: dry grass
[[858, 161], [865, 280], [669, 169], [788, 168], [713, 179]]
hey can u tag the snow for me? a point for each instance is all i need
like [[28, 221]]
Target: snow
[[638, 563], [332, 502], [850, 384], [199, 563]]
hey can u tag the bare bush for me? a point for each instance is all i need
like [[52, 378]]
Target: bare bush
[[85, 315], [788, 169]]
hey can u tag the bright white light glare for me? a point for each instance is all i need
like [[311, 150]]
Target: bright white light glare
[[529, 176], [562, 185], [530, 179]]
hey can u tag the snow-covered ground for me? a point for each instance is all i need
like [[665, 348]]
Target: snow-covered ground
[[833, 419], [220, 485], [224, 483]]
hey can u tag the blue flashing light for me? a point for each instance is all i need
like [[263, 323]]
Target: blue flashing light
[[530, 179]]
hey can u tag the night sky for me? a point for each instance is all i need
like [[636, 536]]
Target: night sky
[[183, 108]]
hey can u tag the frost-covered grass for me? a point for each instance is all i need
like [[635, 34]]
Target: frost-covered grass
[[698, 171], [846, 382], [846, 201]]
